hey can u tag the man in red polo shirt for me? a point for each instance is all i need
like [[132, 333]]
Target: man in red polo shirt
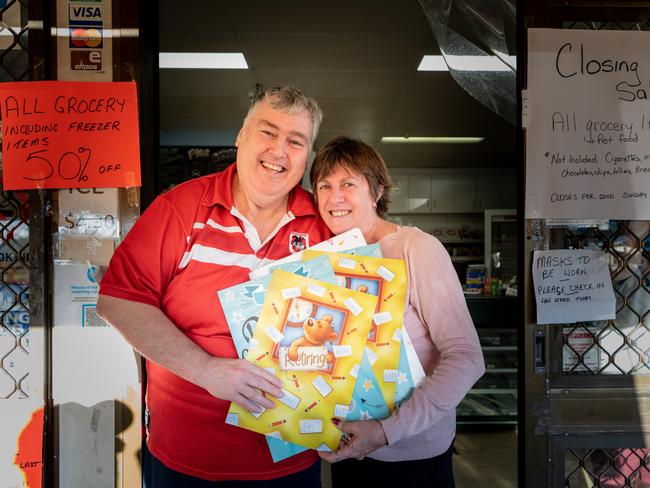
[[160, 292]]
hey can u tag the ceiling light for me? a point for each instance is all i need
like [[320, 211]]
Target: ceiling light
[[202, 60], [431, 140], [466, 63]]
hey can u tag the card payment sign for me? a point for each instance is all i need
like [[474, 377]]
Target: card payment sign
[[81, 14]]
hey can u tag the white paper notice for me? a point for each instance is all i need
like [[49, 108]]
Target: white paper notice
[[587, 150], [572, 286], [77, 286], [578, 355]]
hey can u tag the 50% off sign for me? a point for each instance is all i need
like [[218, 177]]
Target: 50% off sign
[[69, 135], [70, 166]]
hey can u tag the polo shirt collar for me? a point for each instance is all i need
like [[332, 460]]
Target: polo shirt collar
[[300, 201], [221, 193]]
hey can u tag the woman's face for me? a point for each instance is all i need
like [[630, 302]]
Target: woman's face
[[345, 202]]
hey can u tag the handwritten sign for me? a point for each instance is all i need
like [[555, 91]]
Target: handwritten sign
[[588, 124], [62, 134], [87, 213], [572, 286]]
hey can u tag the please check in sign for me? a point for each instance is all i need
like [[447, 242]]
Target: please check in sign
[[60, 134], [572, 285]]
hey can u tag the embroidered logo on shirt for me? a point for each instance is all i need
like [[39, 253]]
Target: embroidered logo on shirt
[[298, 242]]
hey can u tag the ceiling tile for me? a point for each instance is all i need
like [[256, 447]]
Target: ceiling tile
[[369, 17]]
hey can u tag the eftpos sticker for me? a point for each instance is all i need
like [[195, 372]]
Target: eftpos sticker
[[85, 60]]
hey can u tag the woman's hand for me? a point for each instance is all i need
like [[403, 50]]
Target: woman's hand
[[359, 439]]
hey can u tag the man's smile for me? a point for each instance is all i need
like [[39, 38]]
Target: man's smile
[[272, 167]]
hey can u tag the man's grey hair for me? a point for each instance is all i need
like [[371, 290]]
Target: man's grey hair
[[290, 100]]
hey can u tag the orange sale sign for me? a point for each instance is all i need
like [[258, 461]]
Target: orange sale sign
[[66, 134]]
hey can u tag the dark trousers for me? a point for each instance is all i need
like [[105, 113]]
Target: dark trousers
[[435, 472], [157, 475]]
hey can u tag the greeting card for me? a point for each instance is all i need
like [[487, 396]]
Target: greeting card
[[350, 239], [367, 399], [386, 279], [311, 334], [242, 305], [367, 250]]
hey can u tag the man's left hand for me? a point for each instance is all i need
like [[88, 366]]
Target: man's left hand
[[359, 439]]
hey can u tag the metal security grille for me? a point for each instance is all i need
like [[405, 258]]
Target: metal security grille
[[14, 295], [620, 346], [14, 60], [14, 226], [605, 467], [606, 354]]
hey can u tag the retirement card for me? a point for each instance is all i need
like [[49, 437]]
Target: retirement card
[[242, 305], [367, 250], [386, 279], [367, 399], [350, 239], [311, 334]]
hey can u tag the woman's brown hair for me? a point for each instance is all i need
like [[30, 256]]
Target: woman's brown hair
[[359, 158]]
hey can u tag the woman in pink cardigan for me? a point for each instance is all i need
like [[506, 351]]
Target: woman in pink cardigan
[[414, 445]]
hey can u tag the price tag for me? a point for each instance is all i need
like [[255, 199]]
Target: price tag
[[91, 212]]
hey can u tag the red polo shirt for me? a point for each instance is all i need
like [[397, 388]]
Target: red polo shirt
[[190, 243]]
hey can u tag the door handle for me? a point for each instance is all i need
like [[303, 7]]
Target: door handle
[[539, 351]]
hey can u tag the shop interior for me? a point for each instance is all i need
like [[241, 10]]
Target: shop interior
[[362, 62]]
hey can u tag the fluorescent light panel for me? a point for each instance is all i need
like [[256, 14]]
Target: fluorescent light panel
[[202, 60], [431, 140], [465, 63]]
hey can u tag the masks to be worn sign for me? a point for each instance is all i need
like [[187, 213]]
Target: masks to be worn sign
[[63, 134], [572, 286], [587, 120]]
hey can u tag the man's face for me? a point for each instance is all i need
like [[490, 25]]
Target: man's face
[[272, 150]]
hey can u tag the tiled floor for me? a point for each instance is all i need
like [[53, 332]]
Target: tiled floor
[[486, 458], [482, 459]]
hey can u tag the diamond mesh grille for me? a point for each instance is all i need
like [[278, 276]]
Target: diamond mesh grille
[[14, 228]]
